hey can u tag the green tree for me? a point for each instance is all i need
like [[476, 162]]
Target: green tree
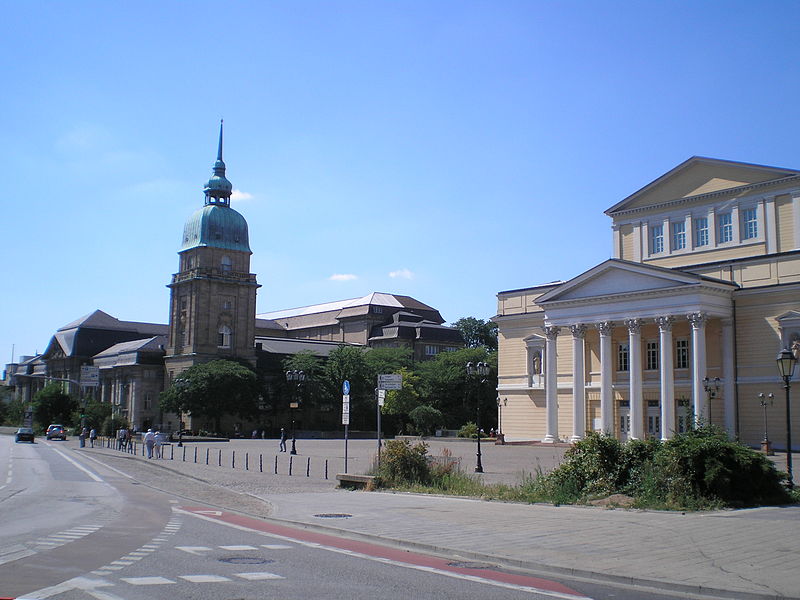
[[478, 332], [446, 387], [400, 403], [212, 390], [349, 363], [425, 418], [96, 413], [52, 405], [388, 360], [6, 403]]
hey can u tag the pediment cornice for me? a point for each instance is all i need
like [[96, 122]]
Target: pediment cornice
[[633, 295]]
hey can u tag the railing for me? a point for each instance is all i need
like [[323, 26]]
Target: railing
[[213, 273]]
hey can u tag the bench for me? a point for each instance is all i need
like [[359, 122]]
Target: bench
[[351, 481]]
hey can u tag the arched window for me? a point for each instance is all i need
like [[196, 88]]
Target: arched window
[[224, 337], [226, 264]]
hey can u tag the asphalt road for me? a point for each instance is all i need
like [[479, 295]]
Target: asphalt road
[[77, 525]]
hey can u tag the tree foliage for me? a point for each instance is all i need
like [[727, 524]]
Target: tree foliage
[[52, 405], [478, 332], [212, 390]]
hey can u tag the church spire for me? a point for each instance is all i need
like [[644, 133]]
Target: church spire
[[218, 189]]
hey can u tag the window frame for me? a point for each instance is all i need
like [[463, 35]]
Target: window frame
[[725, 227], [657, 239], [701, 234], [749, 218], [678, 235], [623, 357]]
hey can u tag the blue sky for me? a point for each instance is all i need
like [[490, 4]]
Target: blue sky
[[444, 150]]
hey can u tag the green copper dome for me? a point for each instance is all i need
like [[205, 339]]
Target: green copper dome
[[216, 226]]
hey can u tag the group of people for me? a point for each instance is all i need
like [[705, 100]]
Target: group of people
[[125, 439], [92, 435], [152, 443]]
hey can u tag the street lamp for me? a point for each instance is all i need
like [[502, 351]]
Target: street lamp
[[711, 387], [480, 369], [786, 362], [295, 379], [766, 445]]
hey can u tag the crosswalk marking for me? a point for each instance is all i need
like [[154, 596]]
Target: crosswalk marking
[[258, 576], [204, 578], [238, 547], [194, 549], [147, 580]]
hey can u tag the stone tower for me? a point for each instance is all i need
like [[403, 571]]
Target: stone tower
[[213, 294]]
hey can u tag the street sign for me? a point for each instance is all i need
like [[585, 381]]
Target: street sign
[[392, 381], [90, 376], [345, 404], [346, 388], [381, 397], [346, 418]]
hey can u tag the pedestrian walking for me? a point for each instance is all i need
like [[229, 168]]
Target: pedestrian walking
[[149, 442], [158, 444], [121, 438], [92, 436], [283, 440]]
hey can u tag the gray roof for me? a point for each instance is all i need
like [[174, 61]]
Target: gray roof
[[291, 346]]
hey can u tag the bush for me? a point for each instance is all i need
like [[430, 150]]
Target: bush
[[403, 464], [470, 430], [425, 418]]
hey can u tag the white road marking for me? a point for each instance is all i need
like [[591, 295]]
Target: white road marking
[[276, 546], [147, 580], [258, 576], [204, 578], [451, 574], [78, 465], [197, 550], [100, 462], [238, 547]]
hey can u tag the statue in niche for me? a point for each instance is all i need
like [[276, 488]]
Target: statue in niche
[[537, 363]]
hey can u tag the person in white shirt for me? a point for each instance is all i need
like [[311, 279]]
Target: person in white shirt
[[149, 442]]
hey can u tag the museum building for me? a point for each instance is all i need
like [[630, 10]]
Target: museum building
[[682, 324]]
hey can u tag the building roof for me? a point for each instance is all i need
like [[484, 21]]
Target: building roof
[[153, 344], [287, 346], [97, 331], [350, 306]]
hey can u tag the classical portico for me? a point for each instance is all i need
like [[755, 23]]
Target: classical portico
[[621, 317]]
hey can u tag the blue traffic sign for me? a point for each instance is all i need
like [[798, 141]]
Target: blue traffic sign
[[346, 387]]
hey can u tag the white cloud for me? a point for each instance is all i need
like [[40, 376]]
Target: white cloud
[[342, 277], [401, 274], [238, 195]]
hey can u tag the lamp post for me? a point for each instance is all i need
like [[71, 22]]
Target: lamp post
[[480, 369], [711, 387], [786, 362], [295, 379], [766, 445]]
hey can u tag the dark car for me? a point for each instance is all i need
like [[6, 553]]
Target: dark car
[[24, 434], [56, 432]]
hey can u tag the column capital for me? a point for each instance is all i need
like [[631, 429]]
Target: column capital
[[697, 319], [634, 325], [578, 330], [665, 323], [551, 332], [605, 328]]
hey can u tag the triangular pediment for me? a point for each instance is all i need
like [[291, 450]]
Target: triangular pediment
[[620, 277], [698, 176]]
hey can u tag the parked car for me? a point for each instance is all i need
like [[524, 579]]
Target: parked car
[[56, 432], [24, 434]]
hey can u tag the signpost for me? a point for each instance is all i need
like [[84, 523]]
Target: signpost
[[387, 381], [345, 416], [90, 376]]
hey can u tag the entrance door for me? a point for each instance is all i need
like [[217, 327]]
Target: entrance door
[[624, 420], [653, 419]]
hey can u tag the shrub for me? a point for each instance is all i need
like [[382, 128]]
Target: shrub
[[425, 418], [404, 464]]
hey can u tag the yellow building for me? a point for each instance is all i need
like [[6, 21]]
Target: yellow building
[[683, 322]]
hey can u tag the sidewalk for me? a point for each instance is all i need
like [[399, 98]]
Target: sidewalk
[[736, 554]]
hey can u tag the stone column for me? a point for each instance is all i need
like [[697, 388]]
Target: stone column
[[578, 382], [728, 383], [698, 321], [635, 371], [667, 376], [551, 383], [606, 369]]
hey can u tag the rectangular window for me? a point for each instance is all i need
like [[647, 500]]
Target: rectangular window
[[679, 235], [681, 354], [701, 231], [652, 356], [656, 239], [725, 222], [622, 357], [431, 350], [749, 224]]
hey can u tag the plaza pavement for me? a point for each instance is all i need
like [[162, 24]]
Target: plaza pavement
[[752, 553]]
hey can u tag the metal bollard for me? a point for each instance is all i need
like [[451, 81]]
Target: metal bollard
[[308, 466], [326, 468], [195, 455], [260, 463], [290, 464], [276, 464], [207, 449], [184, 454], [233, 459], [172, 452], [219, 458], [246, 461]]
